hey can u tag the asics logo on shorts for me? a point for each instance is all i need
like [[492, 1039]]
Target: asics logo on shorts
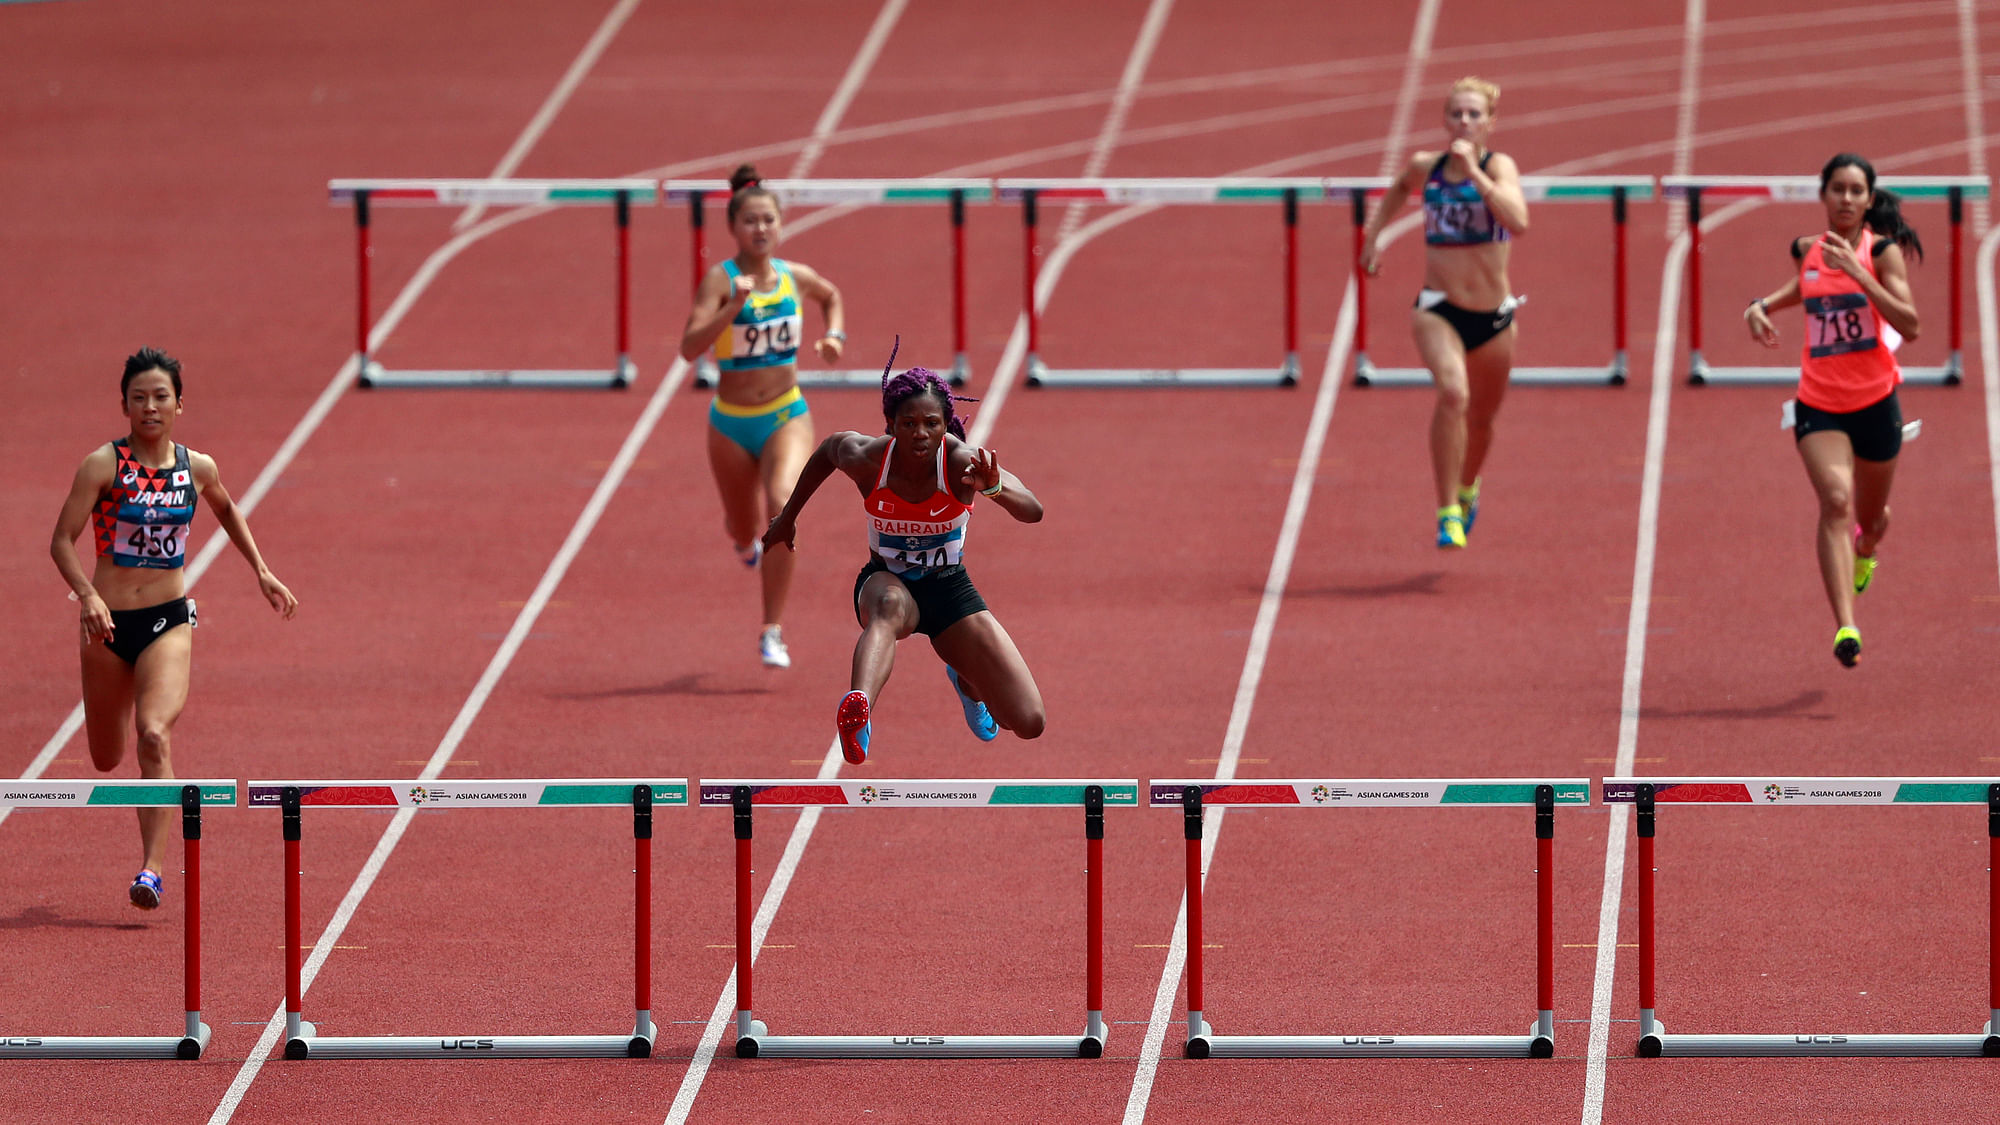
[[159, 625]]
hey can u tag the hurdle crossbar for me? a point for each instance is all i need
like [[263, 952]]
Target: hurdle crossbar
[[1619, 190], [620, 194], [1649, 793], [1954, 190], [1192, 797], [641, 795], [754, 1039], [189, 797], [1288, 192], [955, 193]]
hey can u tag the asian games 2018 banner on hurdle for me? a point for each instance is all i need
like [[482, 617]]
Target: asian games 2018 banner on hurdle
[[438, 794], [933, 794], [1380, 793]]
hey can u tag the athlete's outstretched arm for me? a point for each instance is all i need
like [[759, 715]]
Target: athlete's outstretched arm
[[92, 478], [846, 452], [208, 479], [826, 294], [1393, 199], [983, 474]]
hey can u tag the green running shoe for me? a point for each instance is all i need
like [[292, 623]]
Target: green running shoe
[[1451, 528], [1847, 645]]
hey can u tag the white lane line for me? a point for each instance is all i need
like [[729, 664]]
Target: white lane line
[[1975, 105], [524, 622], [1989, 355], [1121, 105], [1642, 583], [850, 84], [983, 423], [1692, 31], [553, 104], [1152, 1047]]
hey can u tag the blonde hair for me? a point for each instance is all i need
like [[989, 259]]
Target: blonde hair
[[1480, 86]]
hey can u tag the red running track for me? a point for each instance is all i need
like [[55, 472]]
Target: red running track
[[1387, 659]]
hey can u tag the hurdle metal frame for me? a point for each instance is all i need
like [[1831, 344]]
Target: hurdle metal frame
[[956, 193], [754, 1039], [1192, 797], [1619, 190], [1954, 190], [189, 797], [1288, 192], [641, 795], [621, 194], [1648, 793]]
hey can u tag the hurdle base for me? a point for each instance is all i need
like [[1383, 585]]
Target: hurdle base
[[1614, 374], [754, 1040], [1203, 1043], [1040, 375], [373, 375], [1819, 1046], [315, 1046], [106, 1046], [707, 376]]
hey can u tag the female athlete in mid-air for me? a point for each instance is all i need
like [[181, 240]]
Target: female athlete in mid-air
[[137, 620], [1855, 285], [1464, 317], [917, 485], [759, 432]]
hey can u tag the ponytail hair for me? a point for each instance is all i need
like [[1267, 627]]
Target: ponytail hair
[[898, 389], [745, 184], [1885, 207]]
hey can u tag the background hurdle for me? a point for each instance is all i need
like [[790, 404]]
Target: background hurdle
[[1289, 192], [1955, 190], [302, 1039], [753, 1038], [955, 193], [1191, 797], [621, 194], [1762, 792], [189, 797], [1620, 190]]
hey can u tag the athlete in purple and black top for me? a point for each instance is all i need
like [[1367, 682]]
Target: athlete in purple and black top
[[137, 619], [1464, 317]]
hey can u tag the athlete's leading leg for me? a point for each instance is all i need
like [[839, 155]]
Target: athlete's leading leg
[[736, 482], [160, 691], [888, 614], [1487, 370], [1444, 353], [1829, 461], [784, 456], [992, 671]]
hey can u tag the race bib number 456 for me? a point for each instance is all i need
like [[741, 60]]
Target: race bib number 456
[[151, 542]]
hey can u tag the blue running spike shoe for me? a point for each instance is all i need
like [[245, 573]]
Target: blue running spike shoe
[[1847, 645], [852, 720], [976, 716], [752, 555], [1451, 528], [146, 890], [1468, 499]]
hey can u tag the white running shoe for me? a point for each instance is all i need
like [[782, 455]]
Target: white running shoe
[[753, 554], [771, 646]]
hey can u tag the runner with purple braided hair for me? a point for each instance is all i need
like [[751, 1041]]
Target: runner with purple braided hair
[[917, 483]]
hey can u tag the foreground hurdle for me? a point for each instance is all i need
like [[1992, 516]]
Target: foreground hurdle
[[753, 1038], [302, 1039], [1955, 190], [1289, 192], [621, 194], [1648, 793], [1538, 189], [807, 193], [189, 797], [1191, 797]]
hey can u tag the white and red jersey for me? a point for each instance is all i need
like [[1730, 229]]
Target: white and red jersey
[[915, 538], [1847, 362]]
